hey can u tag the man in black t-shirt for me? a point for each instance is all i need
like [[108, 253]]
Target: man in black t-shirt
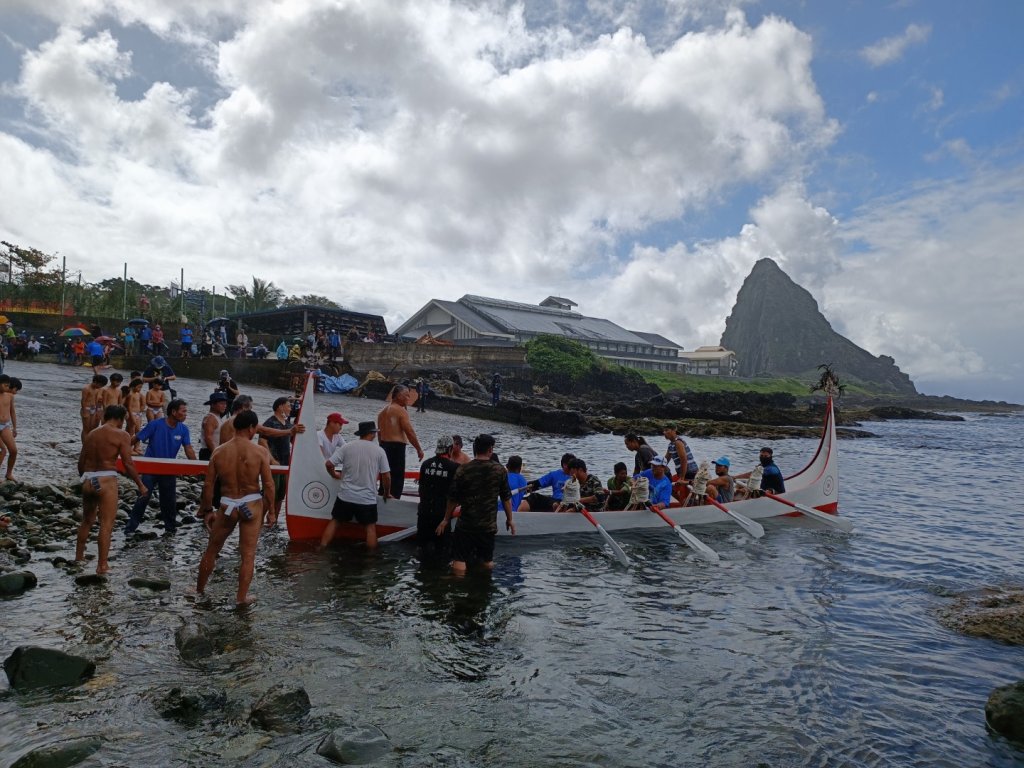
[[436, 475], [280, 447], [475, 487]]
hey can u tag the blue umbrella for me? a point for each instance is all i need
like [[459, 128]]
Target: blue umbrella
[[138, 321]]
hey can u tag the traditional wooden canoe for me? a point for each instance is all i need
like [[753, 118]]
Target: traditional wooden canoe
[[312, 491], [181, 467]]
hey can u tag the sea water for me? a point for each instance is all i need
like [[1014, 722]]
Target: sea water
[[806, 647]]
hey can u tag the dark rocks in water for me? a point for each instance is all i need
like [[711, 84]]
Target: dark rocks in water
[[60, 754], [776, 328], [351, 745], [280, 709], [17, 582], [90, 579], [896, 412], [994, 614], [34, 667], [193, 642], [188, 707], [1004, 711], [144, 582]]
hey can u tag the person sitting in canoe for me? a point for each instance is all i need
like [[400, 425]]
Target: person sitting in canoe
[[721, 488], [769, 472], [592, 493], [659, 483], [619, 488], [555, 480]]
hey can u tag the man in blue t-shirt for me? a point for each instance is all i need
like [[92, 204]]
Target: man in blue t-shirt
[[163, 438], [555, 480], [660, 485]]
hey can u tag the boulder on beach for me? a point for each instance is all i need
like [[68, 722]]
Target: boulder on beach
[[353, 745], [280, 708], [992, 613], [34, 667], [17, 582], [60, 754], [1004, 711], [145, 582]]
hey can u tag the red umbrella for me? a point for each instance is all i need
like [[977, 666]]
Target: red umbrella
[[105, 339]]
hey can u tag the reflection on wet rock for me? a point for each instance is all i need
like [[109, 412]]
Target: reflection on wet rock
[[145, 582], [17, 582], [188, 707], [193, 641]]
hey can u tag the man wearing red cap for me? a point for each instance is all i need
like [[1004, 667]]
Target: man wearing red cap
[[330, 436]]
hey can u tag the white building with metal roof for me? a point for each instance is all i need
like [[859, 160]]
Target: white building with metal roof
[[478, 320]]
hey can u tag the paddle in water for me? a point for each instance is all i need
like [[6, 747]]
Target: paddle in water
[[754, 529], [691, 541], [400, 535], [833, 520], [607, 537]]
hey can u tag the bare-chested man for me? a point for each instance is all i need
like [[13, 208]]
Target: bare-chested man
[[242, 467], [91, 409], [110, 394], [97, 464], [396, 433], [211, 425]]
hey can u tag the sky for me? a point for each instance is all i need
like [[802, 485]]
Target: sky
[[637, 157]]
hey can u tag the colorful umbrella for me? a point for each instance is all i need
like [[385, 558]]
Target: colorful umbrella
[[74, 331]]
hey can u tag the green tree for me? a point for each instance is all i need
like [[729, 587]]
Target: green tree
[[556, 356], [311, 299], [263, 294]]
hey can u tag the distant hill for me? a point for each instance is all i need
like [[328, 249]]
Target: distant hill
[[777, 329]]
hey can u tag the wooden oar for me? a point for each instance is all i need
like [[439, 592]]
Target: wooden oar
[[817, 514], [607, 537], [754, 529], [691, 541]]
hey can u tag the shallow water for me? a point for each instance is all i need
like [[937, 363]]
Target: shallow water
[[807, 647]]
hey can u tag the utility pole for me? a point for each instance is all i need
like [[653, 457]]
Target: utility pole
[[63, 281], [181, 287], [124, 299]]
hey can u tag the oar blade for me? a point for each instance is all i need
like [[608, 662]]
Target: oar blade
[[619, 553], [696, 544], [401, 535], [754, 529], [834, 520]]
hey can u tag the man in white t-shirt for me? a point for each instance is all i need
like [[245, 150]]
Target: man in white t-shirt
[[330, 436], [363, 466]]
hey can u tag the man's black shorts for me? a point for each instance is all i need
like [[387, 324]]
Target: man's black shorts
[[472, 547], [345, 511], [540, 502]]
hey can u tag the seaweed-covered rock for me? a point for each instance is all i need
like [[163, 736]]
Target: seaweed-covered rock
[[1004, 711], [350, 745], [188, 707], [60, 754], [280, 708]]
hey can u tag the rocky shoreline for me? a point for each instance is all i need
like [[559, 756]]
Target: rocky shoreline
[[645, 409]]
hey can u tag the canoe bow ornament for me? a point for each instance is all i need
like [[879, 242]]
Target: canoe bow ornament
[[828, 382]]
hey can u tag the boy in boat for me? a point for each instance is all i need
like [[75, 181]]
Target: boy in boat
[[96, 465], [592, 493], [436, 475], [90, 403], [247, 487], [619, 488], [771, 475], [555, 479], [516, 481], [475, 487]]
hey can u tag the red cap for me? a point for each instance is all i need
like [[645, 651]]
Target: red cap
[[337, 418]]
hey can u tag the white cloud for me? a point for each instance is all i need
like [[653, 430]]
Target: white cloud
[[891, 49]]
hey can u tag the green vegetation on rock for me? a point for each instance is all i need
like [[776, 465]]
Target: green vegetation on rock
[[555, 357]]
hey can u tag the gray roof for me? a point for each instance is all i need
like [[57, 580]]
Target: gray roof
[[531, 319], [476, 321], [657, 339]]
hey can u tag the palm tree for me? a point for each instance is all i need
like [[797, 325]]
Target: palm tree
[[263, 295]]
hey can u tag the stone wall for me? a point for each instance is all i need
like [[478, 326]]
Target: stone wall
[[409, 359]]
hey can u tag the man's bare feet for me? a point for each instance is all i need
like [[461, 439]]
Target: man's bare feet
[[247, 600], [10, 479], [102, 570]]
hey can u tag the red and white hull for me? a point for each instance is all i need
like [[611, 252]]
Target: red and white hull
[[311, 494]]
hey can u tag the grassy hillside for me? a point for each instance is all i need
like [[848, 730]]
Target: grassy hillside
[[689, 383]]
